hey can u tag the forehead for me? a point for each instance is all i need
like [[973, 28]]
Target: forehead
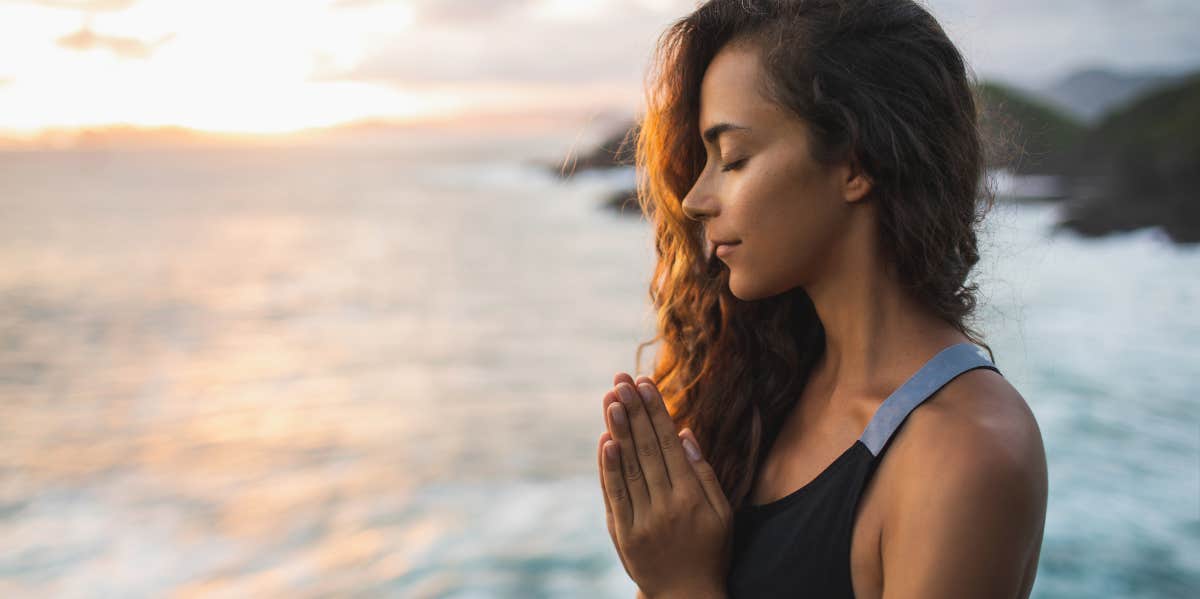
[[731, 90]]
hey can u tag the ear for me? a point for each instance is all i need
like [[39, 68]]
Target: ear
[[856, 184]]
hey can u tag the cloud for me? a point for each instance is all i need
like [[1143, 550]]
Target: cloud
[[126, 47], [465, 11], [515, 43], [82, 5], [567, 43], [1033, 41], [429, 12]]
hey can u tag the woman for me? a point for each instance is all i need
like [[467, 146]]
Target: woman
[[830, 151]]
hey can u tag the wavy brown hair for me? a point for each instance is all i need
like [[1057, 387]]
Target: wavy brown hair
[[876, 81]]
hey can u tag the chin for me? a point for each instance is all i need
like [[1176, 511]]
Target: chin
[[743, 290], [750, 290]]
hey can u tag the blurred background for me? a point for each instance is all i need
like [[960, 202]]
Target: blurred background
[[320, 298]]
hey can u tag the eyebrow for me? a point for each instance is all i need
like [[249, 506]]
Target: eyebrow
[[712, 133]]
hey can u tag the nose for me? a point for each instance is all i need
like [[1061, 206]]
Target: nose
[[699, 204]]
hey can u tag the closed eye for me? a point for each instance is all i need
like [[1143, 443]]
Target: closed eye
[[733, 166]]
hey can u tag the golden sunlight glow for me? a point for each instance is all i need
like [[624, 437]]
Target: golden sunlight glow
[[277, 66], [217, 65]]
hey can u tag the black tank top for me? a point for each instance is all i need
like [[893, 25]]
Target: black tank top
[[799, 545]]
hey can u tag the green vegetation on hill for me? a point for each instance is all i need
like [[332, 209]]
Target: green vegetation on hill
[[1160, 132], [1026, 135], [1144, 162]]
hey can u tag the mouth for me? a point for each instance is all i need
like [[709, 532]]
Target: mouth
[[724, 249]]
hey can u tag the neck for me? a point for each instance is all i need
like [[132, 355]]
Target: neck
[[876, 333]]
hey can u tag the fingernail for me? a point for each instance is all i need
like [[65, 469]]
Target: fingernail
[[626, 394], [610, 450], [644, 390], [693, 452], [618, 413]]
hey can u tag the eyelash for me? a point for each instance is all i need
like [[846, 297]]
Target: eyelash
[[733, 166]]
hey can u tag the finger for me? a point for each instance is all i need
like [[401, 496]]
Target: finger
[[615, 485], [611, 396], [645, 443], [635, 478], [609, 399], [678, 469], [605, 437], [622, 377], [707, 477]]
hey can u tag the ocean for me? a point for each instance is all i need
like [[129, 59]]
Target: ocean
[[377, 371]]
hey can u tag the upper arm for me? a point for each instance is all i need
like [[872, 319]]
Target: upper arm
[[969, 517]]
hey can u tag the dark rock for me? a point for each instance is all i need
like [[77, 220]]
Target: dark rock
[[617, 150], [1143, 167], [624, 202]]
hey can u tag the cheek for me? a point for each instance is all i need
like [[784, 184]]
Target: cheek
[[775, 211], [788, 224]]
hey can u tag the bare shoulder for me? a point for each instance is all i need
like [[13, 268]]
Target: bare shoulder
[[977, 421], [967, 490]]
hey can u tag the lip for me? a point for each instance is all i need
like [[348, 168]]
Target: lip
[[723, 249]]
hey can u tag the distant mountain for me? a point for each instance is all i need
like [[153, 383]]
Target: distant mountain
[[1140, 166], [1024, 134], [1089, 94]]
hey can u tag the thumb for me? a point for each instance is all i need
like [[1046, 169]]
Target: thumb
[[705, 473]]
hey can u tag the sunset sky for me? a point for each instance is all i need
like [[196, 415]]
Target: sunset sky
[[261, 66]]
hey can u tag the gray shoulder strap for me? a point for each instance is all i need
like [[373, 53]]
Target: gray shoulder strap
[[938, 371]]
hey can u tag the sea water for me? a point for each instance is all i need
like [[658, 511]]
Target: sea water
[[378, 371]]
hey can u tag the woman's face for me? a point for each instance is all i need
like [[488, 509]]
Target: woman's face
[[761, 186]]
